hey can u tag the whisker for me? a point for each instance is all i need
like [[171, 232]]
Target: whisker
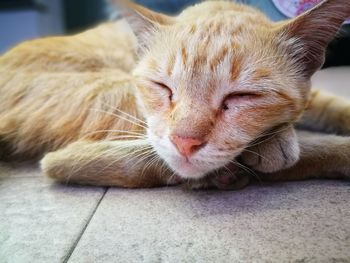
[[171, 177], [120, 117], [113, 131], [126, 137], [230, 172], [125, 156], [247, 169], [143, 156], [149, 164], [276, 131], [136, 151], [268, 160], [126, 114], [257, 142]]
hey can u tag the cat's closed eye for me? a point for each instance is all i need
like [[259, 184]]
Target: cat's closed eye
[[238, 99], [165, 88]]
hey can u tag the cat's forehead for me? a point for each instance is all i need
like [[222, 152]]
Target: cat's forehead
[[209, 50], [222, 48]]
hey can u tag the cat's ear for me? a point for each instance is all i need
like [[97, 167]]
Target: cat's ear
[[308, 35], [144, 22]]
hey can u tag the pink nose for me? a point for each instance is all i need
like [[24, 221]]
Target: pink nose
[[186, 145]]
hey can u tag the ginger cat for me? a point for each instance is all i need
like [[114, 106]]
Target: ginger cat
[[208, 98]]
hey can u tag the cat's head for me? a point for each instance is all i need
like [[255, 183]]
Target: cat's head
[[220, 75]]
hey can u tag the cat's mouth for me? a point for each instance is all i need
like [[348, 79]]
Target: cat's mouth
[[188, 170]]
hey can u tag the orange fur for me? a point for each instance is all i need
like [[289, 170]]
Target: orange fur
[[219, 72]]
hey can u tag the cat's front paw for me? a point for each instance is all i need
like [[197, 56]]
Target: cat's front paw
[[224, 180], [274, 154], [228, 181]]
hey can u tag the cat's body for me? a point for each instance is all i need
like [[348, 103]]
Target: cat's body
[[73, 79], [76, 97]]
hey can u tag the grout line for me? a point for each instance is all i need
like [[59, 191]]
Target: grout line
[[85, 227]]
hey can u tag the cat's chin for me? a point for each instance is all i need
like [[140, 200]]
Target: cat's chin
[[187, 170], [190, 174]]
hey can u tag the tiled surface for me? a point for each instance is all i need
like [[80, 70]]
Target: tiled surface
[[294, 222], [41, 221]]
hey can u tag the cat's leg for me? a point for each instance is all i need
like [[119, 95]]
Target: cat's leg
[[321, 156], [327, 113], [277, 151], [130, 164]]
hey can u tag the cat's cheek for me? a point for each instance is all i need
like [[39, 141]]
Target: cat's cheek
[[153, 102], [229, 116], [155, 107], [157, 126]]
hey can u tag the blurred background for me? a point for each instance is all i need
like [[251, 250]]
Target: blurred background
[[27, 19]]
